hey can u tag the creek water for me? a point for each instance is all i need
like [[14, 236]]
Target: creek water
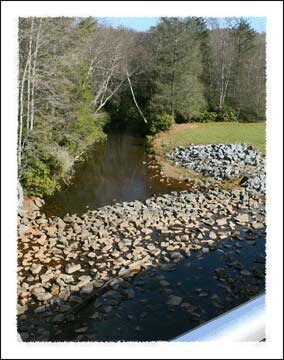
[[116, 170], [148, 317]]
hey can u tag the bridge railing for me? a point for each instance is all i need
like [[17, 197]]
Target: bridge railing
[[243, 323]]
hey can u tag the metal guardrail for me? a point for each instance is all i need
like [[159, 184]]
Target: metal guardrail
[[243, 323], [19, 339]]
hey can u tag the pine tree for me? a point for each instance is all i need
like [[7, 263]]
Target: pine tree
[[177, 71], [244, 40]]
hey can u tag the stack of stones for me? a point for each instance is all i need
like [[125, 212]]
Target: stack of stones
[[224, 162]]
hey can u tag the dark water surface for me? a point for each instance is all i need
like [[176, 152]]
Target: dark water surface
[[116, 170], [148, 317]]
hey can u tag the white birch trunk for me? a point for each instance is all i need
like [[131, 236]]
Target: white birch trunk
[[29, 75], [34, 75], [21, 114], [134, 99]]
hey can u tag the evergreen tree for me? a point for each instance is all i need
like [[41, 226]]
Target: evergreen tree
[[177, 69], [244, 40]]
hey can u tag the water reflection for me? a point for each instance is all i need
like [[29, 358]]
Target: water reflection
[[115, 171]]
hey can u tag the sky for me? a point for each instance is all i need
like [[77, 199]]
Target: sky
[[144, 23]]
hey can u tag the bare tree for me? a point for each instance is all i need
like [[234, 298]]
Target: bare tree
[[34, 74], [24, 78], [222, 55], [29, 74], [134, 99], [20, 132]]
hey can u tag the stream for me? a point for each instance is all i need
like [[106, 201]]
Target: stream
[[115, 171], [207, 285]]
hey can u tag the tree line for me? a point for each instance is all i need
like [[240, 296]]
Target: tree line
[[79, 78]]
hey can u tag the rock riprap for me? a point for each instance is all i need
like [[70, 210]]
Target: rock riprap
[[79, 254], [224, 162]]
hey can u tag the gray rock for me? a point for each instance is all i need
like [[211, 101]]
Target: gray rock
[[58, 318], [81, 330], [130, 293], [257, 225], [71, 268], [185, 238], [195, 247], [42, 221], [40, 309], [46, 277], [64, 294], [221, 222], [174, 300], [65, 278], [176, 255], [212, 235], [84, 280], [98, 283], [64, 308], [168, 267], [23, 229], [245, 273], [21, 309], [164, 283], [36, 268], [87, 289], [242, 218], [44, 296]]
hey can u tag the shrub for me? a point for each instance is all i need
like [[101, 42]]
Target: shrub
[[101, 119], [206, 116], [39, 175], [161, 122], [251, 116], [149, 138], [87, 129], [229, 116], [210, 116]]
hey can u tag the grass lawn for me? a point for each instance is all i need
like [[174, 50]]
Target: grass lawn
[[211, 133]]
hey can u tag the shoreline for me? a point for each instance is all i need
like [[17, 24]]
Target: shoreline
[[161, 144]]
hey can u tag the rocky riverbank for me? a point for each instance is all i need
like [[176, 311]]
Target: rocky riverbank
[[63, 262], [224, 162]]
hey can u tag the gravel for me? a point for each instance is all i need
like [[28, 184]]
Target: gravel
[[224, 162], [175, 224]]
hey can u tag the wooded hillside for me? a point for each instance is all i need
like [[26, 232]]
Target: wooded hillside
[[78, 78]]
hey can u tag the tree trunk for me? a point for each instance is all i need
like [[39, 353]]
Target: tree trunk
[[21, 114], [134, 99], [20, 195], [29, 76], [34, 75]]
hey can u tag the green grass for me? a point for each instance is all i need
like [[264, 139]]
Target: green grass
[[214, 133]]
